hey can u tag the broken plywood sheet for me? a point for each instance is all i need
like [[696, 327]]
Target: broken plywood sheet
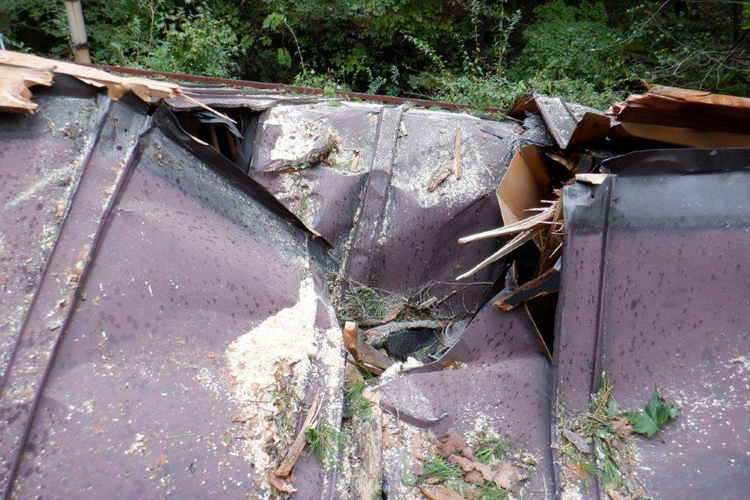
[[682, 108], [15, 96], [523, 186], [218, 97], [22, 70], [680, 136]]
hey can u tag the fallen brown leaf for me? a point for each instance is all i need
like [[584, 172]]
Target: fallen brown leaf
[[440, 493], [474, 477], [468, 452], [162, 461], [418, 447], [462, 462], [576, 441], [507, 475], [388, 441], [470, 465], [451, 443], [622, 426], [577, 470]]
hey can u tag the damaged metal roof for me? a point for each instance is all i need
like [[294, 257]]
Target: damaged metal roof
[[173, 302]]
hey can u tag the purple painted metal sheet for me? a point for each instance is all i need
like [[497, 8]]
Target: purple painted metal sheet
[[325, 197], [655, 293], [42, 159], [373, 205], [417, 238], [141, 357]]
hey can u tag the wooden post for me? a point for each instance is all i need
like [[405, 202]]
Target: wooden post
[[77, 31]]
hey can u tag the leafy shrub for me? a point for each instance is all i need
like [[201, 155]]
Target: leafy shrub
[[170, 35], [195, 43], [478, 52], [571, 43]]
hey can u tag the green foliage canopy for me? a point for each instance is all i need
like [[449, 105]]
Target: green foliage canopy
[[480, 52]]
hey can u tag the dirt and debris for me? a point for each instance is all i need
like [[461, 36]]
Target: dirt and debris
[[599, 441], [487, 467], [318, 154], [422, 325]]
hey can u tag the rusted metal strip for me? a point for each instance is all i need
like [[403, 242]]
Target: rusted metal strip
[[210, 80]]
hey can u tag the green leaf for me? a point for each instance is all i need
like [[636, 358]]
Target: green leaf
[[654, 417], [409, 479], [613, 409], [228, 438], [273, 20], [600, 450], [283, 57]]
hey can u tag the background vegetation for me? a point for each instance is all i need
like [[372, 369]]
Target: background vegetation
[[481, 52]]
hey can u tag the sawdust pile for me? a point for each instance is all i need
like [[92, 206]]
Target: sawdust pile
[[268, 369]]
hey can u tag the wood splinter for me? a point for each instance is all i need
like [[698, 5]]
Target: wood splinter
[[362, 352], [457, 155], [453, 167], [285, 468]]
